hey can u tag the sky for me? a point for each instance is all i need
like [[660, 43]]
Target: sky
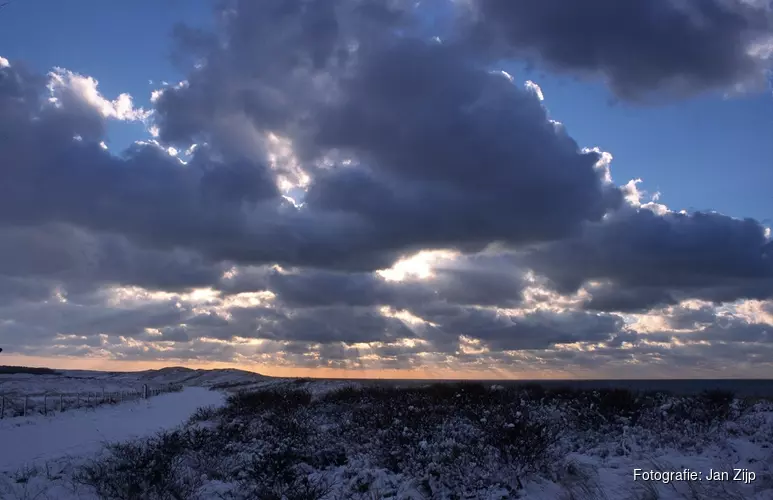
[[389, 188]]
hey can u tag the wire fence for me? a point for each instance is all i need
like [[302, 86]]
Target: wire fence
[[24, 405]]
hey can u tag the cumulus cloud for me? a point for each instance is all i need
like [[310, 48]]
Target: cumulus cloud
[[397, 190], [513, 177], [642, 50], [64, 85], [638, 259]]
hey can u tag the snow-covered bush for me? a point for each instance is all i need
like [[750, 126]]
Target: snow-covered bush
[[154, 468], [440, 441]]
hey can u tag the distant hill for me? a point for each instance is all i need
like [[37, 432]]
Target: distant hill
[[228, 377], [24, 380], [30, 370]]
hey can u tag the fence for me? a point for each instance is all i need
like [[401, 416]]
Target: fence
[[22, 405]]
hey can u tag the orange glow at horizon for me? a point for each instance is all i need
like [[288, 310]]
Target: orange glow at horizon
[[106, 364]]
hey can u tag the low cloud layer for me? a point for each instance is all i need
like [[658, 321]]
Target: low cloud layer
[[362, 194]]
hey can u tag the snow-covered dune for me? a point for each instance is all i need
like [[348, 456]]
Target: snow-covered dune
[[83, 381]]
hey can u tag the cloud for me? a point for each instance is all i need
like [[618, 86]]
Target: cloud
[[130, 324], [83, 260], [539, 330], [533, 87], [357, 194], [639, 259], [488, 280], [136, 324], [642, 50], [530, 181], [64, 85], [386, 195]]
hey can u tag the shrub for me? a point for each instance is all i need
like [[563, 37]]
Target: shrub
[[246, 404], [459, 440], [152, 469], [204, 413]]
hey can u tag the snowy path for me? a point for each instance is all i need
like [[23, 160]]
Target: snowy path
[[84, 432]]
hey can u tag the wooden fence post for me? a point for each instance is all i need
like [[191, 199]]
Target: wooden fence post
[[45, 404], [24, 411], [61, 403], [2, 407]]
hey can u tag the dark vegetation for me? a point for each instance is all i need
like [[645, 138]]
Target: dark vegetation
[[445, 440], [11, 370]]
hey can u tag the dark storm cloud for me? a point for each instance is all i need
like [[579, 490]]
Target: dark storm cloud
[[671, 46], [648, 260]]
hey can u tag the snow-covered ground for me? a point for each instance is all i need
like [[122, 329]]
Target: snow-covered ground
[[335, 440], [38, 453], [65, 390], [33, 440]]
